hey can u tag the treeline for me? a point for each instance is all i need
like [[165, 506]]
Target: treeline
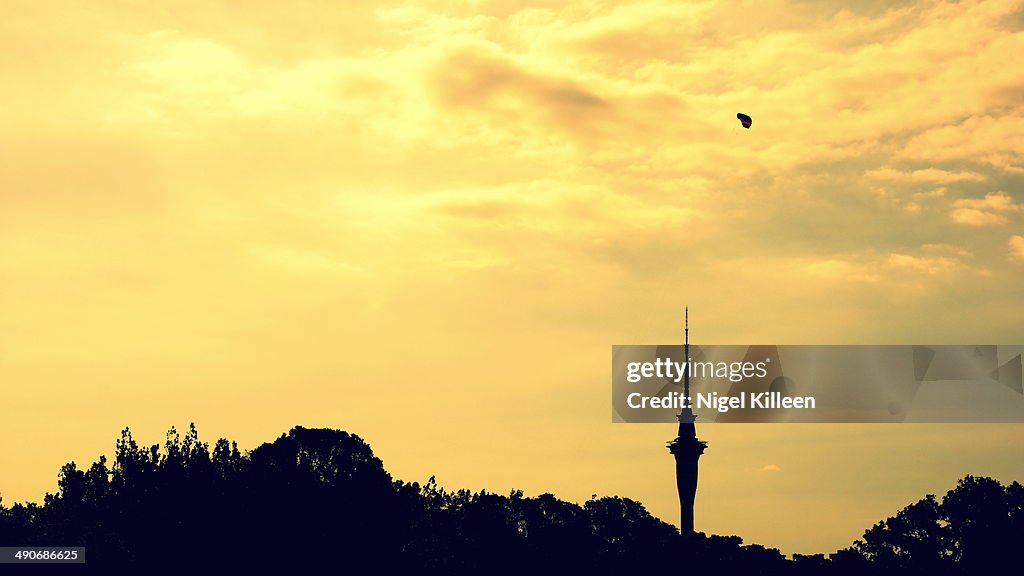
[[318, 499]]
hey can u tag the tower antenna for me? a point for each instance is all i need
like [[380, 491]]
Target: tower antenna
[[686, 351]]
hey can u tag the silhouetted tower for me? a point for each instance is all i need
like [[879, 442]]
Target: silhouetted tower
[[686, 448]]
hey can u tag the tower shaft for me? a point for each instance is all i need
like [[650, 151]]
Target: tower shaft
[[687, 454]]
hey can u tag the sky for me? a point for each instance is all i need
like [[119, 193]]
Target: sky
[[428, 222]]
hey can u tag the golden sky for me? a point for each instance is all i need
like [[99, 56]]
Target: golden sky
[[428, 222]]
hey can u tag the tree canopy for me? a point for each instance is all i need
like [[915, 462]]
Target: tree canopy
[[320, 499]]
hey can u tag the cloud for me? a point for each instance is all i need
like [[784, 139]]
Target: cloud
[[996, 140], [924, 175], [935, 193], [925, 265], [949, 261], [838, 269], [1016, 244], [483, 78], [922, 201], [988, 211], [973, 217], [948, 249], [769, 468], [998, 201]]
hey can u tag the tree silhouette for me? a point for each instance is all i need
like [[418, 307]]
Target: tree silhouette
[[976, 526], [319, 500]]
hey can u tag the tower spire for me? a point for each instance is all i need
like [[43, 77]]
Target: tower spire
[[686, 351]]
